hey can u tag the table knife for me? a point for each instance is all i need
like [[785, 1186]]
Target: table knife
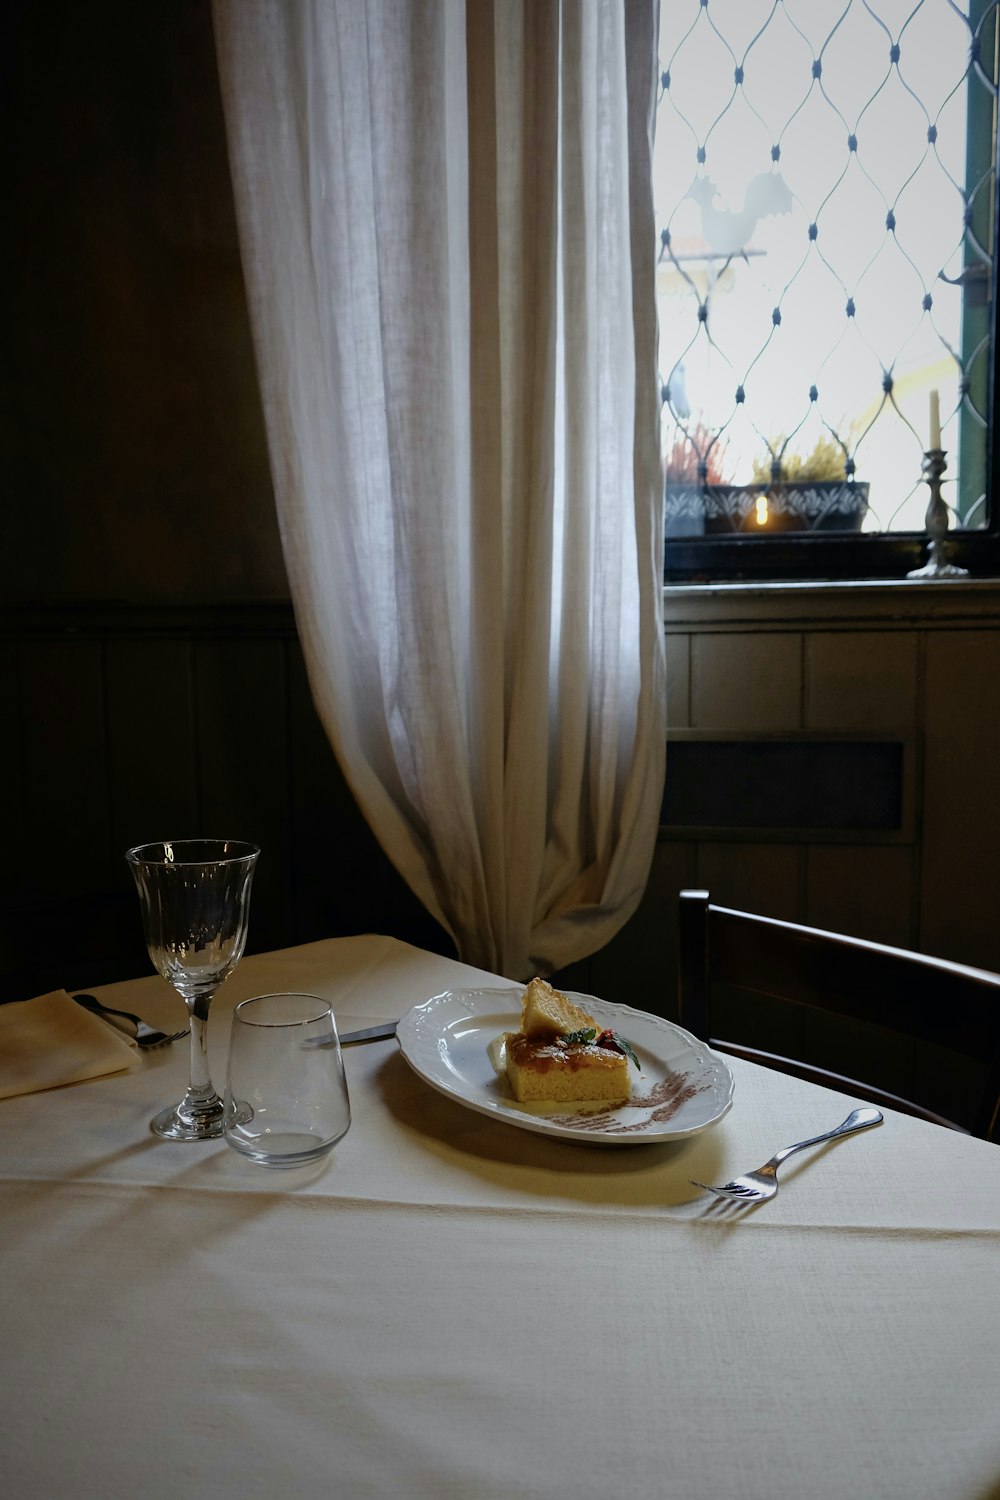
[[369, 1034]]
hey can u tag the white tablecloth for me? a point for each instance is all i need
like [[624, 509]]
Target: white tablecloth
[[452, 1307]]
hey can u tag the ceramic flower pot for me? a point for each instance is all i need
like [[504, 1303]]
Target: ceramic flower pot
[[761, 510]]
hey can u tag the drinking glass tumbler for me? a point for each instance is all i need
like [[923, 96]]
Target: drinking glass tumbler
[[286, 1101]]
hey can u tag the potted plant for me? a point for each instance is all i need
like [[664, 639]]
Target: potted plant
[[694, 478], [789, 491], [812, 492]]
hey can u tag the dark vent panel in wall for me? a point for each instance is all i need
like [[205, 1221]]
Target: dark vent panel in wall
[[784, 784]]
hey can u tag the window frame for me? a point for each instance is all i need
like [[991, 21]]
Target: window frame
[[804, 557]]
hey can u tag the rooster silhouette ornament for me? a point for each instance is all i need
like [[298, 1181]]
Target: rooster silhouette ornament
[[727, 230]]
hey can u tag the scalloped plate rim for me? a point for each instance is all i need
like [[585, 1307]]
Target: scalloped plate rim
[[426, 1047]]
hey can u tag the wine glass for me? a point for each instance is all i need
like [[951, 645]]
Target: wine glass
[[195, 899]]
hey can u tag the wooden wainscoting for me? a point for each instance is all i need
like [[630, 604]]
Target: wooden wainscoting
[[811, 680], [125, 724]]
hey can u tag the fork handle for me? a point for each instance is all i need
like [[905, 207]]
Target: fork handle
[[858, 1119], [89, 1002]]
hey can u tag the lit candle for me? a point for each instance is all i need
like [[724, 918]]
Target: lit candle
[[935, 420]]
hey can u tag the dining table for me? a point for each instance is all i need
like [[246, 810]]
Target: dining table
[[455, 1303]]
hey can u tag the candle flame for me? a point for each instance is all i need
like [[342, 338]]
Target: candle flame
[[761, 504]]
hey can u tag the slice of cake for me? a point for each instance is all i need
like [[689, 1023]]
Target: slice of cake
[[561, 1053], [546, 1012]]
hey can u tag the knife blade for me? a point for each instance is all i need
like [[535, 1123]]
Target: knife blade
[[369, 1034]]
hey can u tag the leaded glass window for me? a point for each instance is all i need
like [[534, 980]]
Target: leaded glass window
[[826, 186]]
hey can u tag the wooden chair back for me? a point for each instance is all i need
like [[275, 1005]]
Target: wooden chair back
[[947, 1004]]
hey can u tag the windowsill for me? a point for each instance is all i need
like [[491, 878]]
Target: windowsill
[[962, 601]]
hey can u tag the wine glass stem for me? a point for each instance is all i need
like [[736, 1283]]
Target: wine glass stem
[[200, 1088]]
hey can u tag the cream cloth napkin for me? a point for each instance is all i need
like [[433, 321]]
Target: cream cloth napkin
[[51, 1040]]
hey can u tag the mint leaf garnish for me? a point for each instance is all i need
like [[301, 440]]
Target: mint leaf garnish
[[586, 1035], [620, 1044]]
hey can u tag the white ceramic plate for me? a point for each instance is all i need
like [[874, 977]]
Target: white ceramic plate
[[683, 1087]]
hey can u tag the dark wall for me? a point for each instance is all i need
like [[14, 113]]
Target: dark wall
[[135, 460], [152, 680]]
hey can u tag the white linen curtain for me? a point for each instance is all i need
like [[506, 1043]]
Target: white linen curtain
[[445, 211]]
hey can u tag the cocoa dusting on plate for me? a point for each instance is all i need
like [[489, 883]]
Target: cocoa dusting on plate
[[664, 1099]]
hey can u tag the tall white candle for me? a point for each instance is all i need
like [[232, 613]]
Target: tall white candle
[[935, 420]]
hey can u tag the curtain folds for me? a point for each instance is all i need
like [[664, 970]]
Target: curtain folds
[[446, 222]]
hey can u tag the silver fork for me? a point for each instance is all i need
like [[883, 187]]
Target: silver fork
[[145, 1036], [756, 1186]]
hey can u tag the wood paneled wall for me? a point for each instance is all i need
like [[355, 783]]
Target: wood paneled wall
[[920, 664], [128, 724]]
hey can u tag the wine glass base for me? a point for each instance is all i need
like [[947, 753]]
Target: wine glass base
[[174, 1125]]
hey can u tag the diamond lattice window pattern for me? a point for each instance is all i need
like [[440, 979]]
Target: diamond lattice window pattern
[[825, 181]]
